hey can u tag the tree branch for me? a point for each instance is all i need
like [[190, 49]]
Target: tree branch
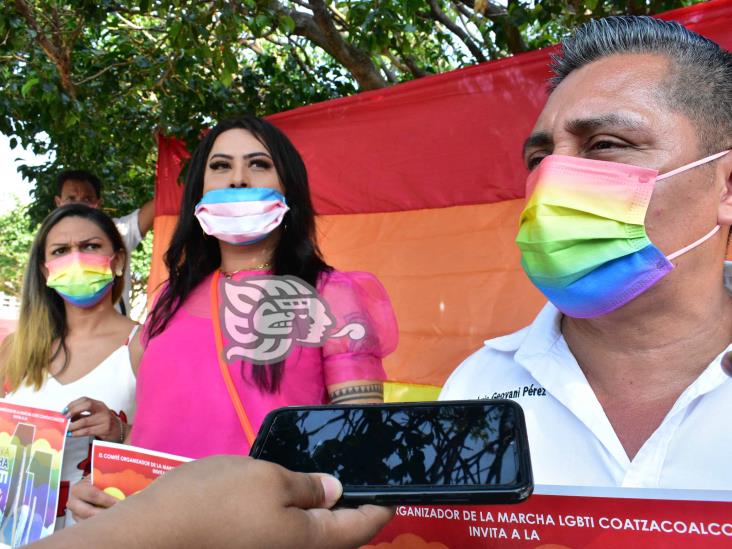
[[57, 52], [101, 72], [514, 39], [441, 17], [130, 25], [355, 60], [320, 30]]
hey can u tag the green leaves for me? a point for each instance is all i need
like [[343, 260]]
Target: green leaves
[[16, 237], [287, 24], [28, 86], [137, 68]]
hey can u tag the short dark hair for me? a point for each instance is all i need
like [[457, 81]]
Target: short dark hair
[[78, 175], [699, 83]]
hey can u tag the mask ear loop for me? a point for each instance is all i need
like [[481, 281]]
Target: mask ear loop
[[693, 245], [711, 233], [692, 165]]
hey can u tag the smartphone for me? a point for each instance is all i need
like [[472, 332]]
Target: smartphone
[[468, 452]]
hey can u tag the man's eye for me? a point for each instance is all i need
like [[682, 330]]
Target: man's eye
[[605, 144], [534, 161]]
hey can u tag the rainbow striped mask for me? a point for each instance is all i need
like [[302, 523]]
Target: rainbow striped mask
[[81, 279], [242, 215], [582, 233]]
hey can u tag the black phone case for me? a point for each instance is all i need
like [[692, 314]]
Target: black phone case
[[437, 495]]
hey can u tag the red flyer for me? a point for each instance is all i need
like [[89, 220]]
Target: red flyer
[[558, 517], [122, 470]]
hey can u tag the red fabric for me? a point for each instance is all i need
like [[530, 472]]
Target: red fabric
[[63, 498], [445, 140], [171, 154]]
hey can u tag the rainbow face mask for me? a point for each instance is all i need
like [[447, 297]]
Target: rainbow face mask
[[582, 235], [81, 279], [242, 215]]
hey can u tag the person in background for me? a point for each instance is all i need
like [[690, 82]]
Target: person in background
[[246, 213], [83, 187], [227, 502], [621, 376], [72, 351]]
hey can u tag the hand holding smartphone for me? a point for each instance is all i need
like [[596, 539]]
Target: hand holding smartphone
[[422, 452]]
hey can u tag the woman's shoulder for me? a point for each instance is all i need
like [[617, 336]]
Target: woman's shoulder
[[124, 327], [349, 279], [360, 297], [357, 288]]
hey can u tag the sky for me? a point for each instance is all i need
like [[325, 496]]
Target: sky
[[13, 184]]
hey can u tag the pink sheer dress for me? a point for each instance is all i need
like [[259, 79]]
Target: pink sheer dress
[[183, 406]]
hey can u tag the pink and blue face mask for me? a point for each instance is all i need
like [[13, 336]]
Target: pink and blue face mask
[[81, 279], [582, 233], [242, 215]]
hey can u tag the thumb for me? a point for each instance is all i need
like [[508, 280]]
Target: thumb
[[332, 489], [311, 490]]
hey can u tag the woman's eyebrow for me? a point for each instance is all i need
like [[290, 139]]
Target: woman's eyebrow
[[244, 156], [85, 241]]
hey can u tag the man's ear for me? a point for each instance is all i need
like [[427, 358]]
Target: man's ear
[[57, 201], [724, 216]]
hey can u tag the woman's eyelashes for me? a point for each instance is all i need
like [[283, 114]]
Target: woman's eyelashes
[[219, 165], [256, 163], [260, 163]]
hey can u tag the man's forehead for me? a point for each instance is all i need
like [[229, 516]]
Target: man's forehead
[[77, 185], [619, 88]]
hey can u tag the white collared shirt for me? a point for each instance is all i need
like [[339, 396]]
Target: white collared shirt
[[571, 439], [129, 228]]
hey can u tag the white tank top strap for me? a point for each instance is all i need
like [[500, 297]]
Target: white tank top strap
[[132, 335]]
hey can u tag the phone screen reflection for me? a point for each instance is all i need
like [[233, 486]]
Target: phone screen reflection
[[443, 446]]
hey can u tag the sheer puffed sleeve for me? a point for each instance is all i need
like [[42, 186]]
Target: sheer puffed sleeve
[[364, 329]]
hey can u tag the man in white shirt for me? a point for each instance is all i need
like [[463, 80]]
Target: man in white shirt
[[628, 385], [80, 186]]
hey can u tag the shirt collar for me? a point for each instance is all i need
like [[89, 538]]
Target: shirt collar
[[537, 338]]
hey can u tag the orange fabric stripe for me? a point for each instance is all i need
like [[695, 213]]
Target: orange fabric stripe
[[453, 275], [163, 228], [463, 257]]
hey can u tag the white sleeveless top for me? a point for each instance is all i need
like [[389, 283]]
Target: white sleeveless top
[[112, 382]]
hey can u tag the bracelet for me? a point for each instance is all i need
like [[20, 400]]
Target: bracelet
[[121, 428]]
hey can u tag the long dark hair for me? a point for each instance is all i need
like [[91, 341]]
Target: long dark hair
[[42, 313], [193, 255]]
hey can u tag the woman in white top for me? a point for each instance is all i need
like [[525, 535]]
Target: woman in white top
[[72, 351]]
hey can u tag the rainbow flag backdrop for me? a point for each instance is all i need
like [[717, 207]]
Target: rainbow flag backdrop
[[422, 184]]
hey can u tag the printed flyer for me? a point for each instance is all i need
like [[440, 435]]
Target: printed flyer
[[122, 470], [557, 517], [31, 450]]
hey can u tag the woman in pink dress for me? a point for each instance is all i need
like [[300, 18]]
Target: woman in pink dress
[[223, 345]]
